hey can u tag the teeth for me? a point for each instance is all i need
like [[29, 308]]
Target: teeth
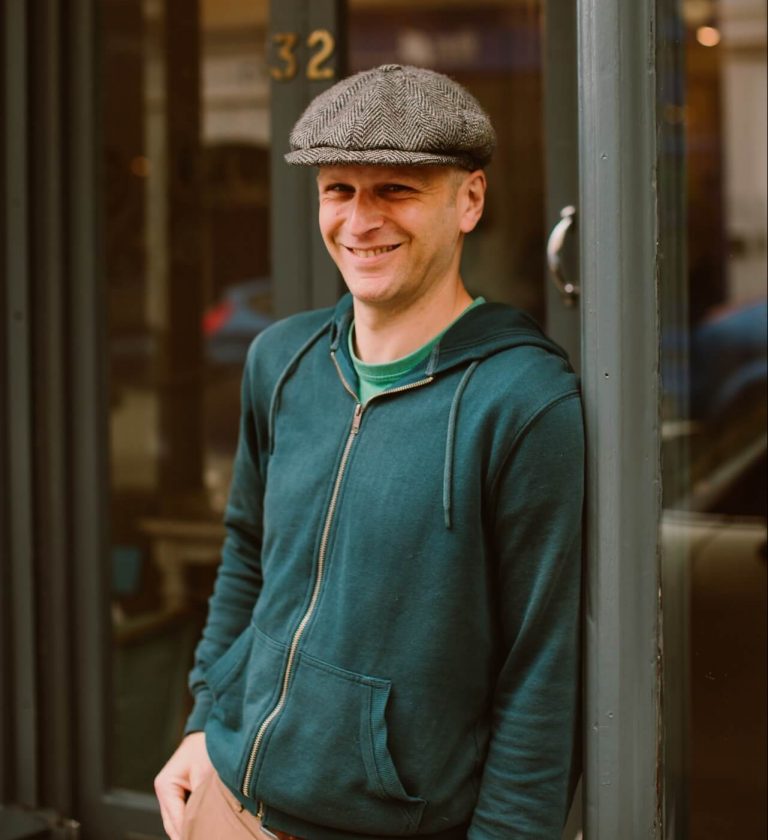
[[372, 252]]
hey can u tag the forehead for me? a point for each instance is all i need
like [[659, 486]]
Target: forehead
[[367, 175]]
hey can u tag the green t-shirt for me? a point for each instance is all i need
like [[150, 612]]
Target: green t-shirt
[[374, 379]]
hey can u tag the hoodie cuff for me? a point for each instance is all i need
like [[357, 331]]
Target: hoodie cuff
[[200, 711]]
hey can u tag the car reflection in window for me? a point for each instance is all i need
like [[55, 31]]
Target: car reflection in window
[[229, 326], [714, 569], [235, 320]]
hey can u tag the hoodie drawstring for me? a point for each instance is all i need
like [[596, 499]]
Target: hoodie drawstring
[[452, 417], [287, 371], [449, 444]]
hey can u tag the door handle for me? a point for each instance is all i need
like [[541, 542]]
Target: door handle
[[568, 291]]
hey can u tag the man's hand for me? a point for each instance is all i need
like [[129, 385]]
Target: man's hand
[[184, 771]]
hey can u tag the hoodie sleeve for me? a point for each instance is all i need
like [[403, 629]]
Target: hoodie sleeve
[[529, 771], [239, 578]]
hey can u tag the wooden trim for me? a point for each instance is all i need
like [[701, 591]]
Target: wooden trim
[[23, 689]]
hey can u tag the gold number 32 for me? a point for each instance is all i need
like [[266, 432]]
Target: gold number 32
[[320, 40]]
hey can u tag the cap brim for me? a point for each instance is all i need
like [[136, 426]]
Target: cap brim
[[329, 156]]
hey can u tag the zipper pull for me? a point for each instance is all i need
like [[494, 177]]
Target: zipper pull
[[260, 811], [357, 417]]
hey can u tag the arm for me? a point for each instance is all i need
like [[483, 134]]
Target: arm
[[529, 774], [238, 584], [238, 580]]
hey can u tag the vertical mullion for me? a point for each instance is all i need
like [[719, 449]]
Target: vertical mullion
[[54, 625], [326, 280], [617, 124], [104, 811], [302, 274], [673, 301], [181, 405], [6, 680], [88, 440], [19, 364]]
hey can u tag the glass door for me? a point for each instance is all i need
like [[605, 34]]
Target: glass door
[[186, 152], [497, 49], [517, 58], [714, 323], [185, 146], [202, 251]]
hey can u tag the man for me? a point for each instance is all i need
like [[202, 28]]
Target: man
[[392, 643]]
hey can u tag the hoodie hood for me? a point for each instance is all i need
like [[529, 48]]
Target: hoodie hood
[[478, 334], [481, 332]]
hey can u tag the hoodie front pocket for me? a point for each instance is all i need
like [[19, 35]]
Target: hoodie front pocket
[[326, 758], [245, 680], [228, 666]]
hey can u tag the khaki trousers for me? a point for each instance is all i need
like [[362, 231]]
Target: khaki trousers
[[213, 813]]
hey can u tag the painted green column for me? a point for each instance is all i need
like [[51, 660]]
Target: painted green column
[[618, 258], [307, 54]]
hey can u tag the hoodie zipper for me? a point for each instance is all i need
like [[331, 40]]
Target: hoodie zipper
[[299, 632], [400, 388], [319, 574]]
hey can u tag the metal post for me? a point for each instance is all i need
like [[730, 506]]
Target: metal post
[[617, 162]]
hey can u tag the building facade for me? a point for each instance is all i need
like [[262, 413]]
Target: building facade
[[149, 229]]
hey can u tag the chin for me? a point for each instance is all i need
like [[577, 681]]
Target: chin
[[370, 290]]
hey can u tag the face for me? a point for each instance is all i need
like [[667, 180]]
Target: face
[[396, 232]]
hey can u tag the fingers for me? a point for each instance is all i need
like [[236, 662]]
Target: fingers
[[183, 772], [172, 798]]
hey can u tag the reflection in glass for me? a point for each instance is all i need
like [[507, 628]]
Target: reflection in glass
[[186, 148], [714, 370], [493, 48]]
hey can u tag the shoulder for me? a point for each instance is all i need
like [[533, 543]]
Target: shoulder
[[532, 373], [276, 349], [515, 362], [276, 346]]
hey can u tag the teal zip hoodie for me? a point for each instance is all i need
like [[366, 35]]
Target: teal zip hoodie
[[392, 643]]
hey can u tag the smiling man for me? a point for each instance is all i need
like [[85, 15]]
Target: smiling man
[[392, 644]]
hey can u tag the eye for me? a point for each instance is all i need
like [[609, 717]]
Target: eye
[[338, 188], [394, 189]]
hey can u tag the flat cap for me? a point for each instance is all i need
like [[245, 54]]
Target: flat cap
[[393, 116]]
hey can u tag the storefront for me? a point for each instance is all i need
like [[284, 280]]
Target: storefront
[[150, 229]]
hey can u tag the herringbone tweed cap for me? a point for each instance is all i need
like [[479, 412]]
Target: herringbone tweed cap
[[393, 116]]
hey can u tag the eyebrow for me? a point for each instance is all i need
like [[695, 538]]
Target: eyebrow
[[417, 176]]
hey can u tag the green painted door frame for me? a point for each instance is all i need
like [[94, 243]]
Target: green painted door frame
[[620, 372]]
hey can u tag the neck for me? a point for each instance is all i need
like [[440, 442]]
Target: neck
[[383, 336]]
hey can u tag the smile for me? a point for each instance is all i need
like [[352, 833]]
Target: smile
[[366, 253]]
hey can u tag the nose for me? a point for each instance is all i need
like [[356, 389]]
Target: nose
[[364, 214]]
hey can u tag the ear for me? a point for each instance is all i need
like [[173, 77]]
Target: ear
[[471, 200]]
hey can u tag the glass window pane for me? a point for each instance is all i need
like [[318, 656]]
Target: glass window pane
[[714, 367], [494, 49], [186, 178]]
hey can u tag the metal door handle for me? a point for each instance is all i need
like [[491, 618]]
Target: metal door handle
[[568, 290]]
